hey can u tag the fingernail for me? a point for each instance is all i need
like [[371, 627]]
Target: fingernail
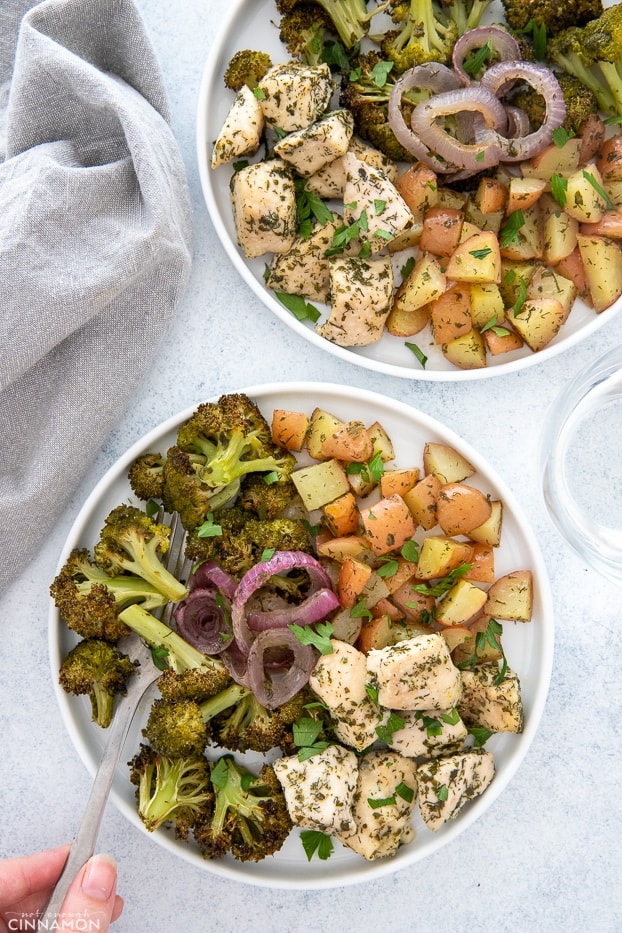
[[100, 878]]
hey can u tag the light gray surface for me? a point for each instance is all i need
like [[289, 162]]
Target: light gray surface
[[546, 857]]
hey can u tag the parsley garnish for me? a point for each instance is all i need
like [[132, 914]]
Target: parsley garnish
[[405, 792], [301, 309], [309, 205], [440, 588], [316, 843], [561, 136], [318, 636], [381, 802], [442, 792], [480, 253], [420, 355], [480, 735], [510, 232], [474, 63], [305, 733], [559, 187], [490, 636], [598, 188], [209, 528], [394, 723]]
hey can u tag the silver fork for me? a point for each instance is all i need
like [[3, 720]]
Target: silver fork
[[83, 845]]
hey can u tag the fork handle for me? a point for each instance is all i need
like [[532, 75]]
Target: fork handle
[[83, 845]]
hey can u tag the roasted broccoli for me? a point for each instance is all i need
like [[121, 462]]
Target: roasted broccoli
[[250, 818], [422, 34], [580, 102], [243, 539], [181, 727], [146, 476], [246, 67], [266, 500], [365, 92], [207, 675], [553, 15], [89, 600], [131, 542], [101, 671], [249, 726], [171, 790], [466, 14], [303, 31], [593, 53], [350, 18]]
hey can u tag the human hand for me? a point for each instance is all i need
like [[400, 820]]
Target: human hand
[[26, 884]]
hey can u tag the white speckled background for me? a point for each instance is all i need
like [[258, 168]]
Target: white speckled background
[[547, 855]]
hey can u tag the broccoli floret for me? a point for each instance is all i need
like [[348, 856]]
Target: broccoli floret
[[585, 53], [466, 14], [554, 15], [89, 600], [146, 476], [234, 439], [98, 669], [580, 103], [365, 92], [181, 727], [171, 790], [350, 18], [249, 726], [208, 675], [422, 35], [250, 818], [183, 490], [244, 538], [603, 46], [131, 542], [266, 500], [246, 67], [304, 30]]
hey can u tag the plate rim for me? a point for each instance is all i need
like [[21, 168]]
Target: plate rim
[[207, 181], [370, 871]]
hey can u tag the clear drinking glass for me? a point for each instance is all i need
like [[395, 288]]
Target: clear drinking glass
[[582, 464]]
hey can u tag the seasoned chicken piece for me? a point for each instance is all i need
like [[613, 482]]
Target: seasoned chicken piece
[[263, 198], [447, 784], [417, 673], [361, 295], [490, 705], [328, 182], [385, 796], [303, 270], [340, 680], [319, 791], [293, 95], [308, 150], [369, 192], [429, 733], [242, 129]]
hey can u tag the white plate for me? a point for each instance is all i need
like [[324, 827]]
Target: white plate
[[529, 647], [250, 24]]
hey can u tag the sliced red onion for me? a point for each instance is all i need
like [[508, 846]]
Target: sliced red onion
[[314, 608], [518, 122], [204, 620], [474, 156], [209, 573], [259, 575], [236, 662], [274, 689], [432, 77], [504, 46], [499, 78]]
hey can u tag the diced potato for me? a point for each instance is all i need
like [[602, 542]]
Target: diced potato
[[460, 508], [355, 546], [442, 227], [446, 463], [584, 200], [388, 524], [349, 442], [421, 500], [572, 268], [419, 188], [609, 225], [490, 222], [482, 562], [553, 160], [425, 282], [461, 604], [539, 321], [511, 597], [322, 424], [524, 192], [529, 244], [491, 196], [450, 313], [455, 636], [353, 576], [439, 555], [602, 262], [477, 259], [489, 532], [560, 236], [341, 516], [289, 429], [486, 304], [320, 483], [467, 351], [405, 571], [485, 651], [505, 342], [515, 276], [417, 607], [609, 159], [382, 445], [398, 481], [548, 283], [404, 321]]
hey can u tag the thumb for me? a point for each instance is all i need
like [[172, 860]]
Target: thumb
[[92, 897]]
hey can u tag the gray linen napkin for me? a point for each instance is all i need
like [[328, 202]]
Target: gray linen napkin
[[95, 245]]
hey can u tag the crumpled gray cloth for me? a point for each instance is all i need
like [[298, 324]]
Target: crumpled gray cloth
[[95, 245]]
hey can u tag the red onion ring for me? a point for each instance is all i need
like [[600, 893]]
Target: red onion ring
[[504, 46], [273, 691], [499, 77], [475, 156], [433, 77], [314, 608], [259, 575], [210, 573], [204, 620]]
